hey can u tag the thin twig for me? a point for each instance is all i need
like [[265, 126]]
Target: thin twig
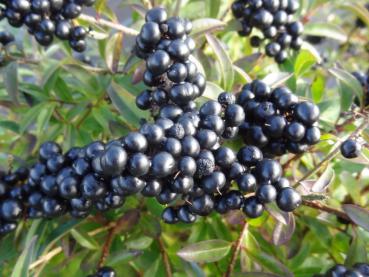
[[164, 254], [106, 23], [106, 247], [325, 208], [236, 250], [333, 153]]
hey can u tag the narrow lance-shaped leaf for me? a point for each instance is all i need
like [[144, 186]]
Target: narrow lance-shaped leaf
[[206, 25], [10, 73], [276, 79], [358, 215], [21, 267], [113, 51], [349, 81], [224, 61], [357, 9], [205, 251], [324, 29]]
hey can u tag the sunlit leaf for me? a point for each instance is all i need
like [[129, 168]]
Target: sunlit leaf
[[205, 251]]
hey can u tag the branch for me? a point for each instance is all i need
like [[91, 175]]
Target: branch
[[106, 23], [106, 247], [333, 153], [235, 251], [164, 254], [325, 208]]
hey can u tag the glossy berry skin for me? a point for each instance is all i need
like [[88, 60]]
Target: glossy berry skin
[[6, 38], [288, 199], [249, 155], [266, 193], [252, 207], [158, 15], [363, 268], [163, 164], [10, 210], [202, 205], [184, 215], [169, 215], [225, 157], [213, 182], [234, 200], [187, 166], [337, 270], [106, 272], [295, 131], [268, 170], [234, 115], [113, 160], [158, 62], [350, 149], [307, 112]]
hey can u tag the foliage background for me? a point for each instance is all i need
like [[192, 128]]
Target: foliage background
[[54, 94]]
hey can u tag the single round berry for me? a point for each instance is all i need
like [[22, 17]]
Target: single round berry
[[350, 149], [288, 199]]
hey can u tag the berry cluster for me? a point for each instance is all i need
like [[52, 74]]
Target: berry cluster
[[178, 159], [276, 121], [6, 38], [358, 270], [364, 81], [350, 149], [45, 19], [274, 19], [166, 47], [104, 272]]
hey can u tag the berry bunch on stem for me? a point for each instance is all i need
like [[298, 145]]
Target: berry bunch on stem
[[46, 19], [275, 25]]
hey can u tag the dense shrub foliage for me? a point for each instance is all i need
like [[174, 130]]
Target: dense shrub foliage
[[261, 160]]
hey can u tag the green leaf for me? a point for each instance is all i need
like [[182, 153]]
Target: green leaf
[[58, 233], [125, 103], [113, 51], [224, 61], [10, 125], [326, 30], [30, 116], [206, 25], [140, 243], [249, 62], [318, 88], [357, 252], [212, 91], [44, 116], [24, 260], [349, 82], [122, 256], [358, 215], [277, 78], [304, 61], [324, 180], [270, 262], [84, 240], [358, 9], [205, 251], [10, 73]]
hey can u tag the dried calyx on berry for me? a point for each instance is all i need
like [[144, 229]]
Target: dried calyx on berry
[[276, 121], [164, 43], [275, 20], [46, 19]]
